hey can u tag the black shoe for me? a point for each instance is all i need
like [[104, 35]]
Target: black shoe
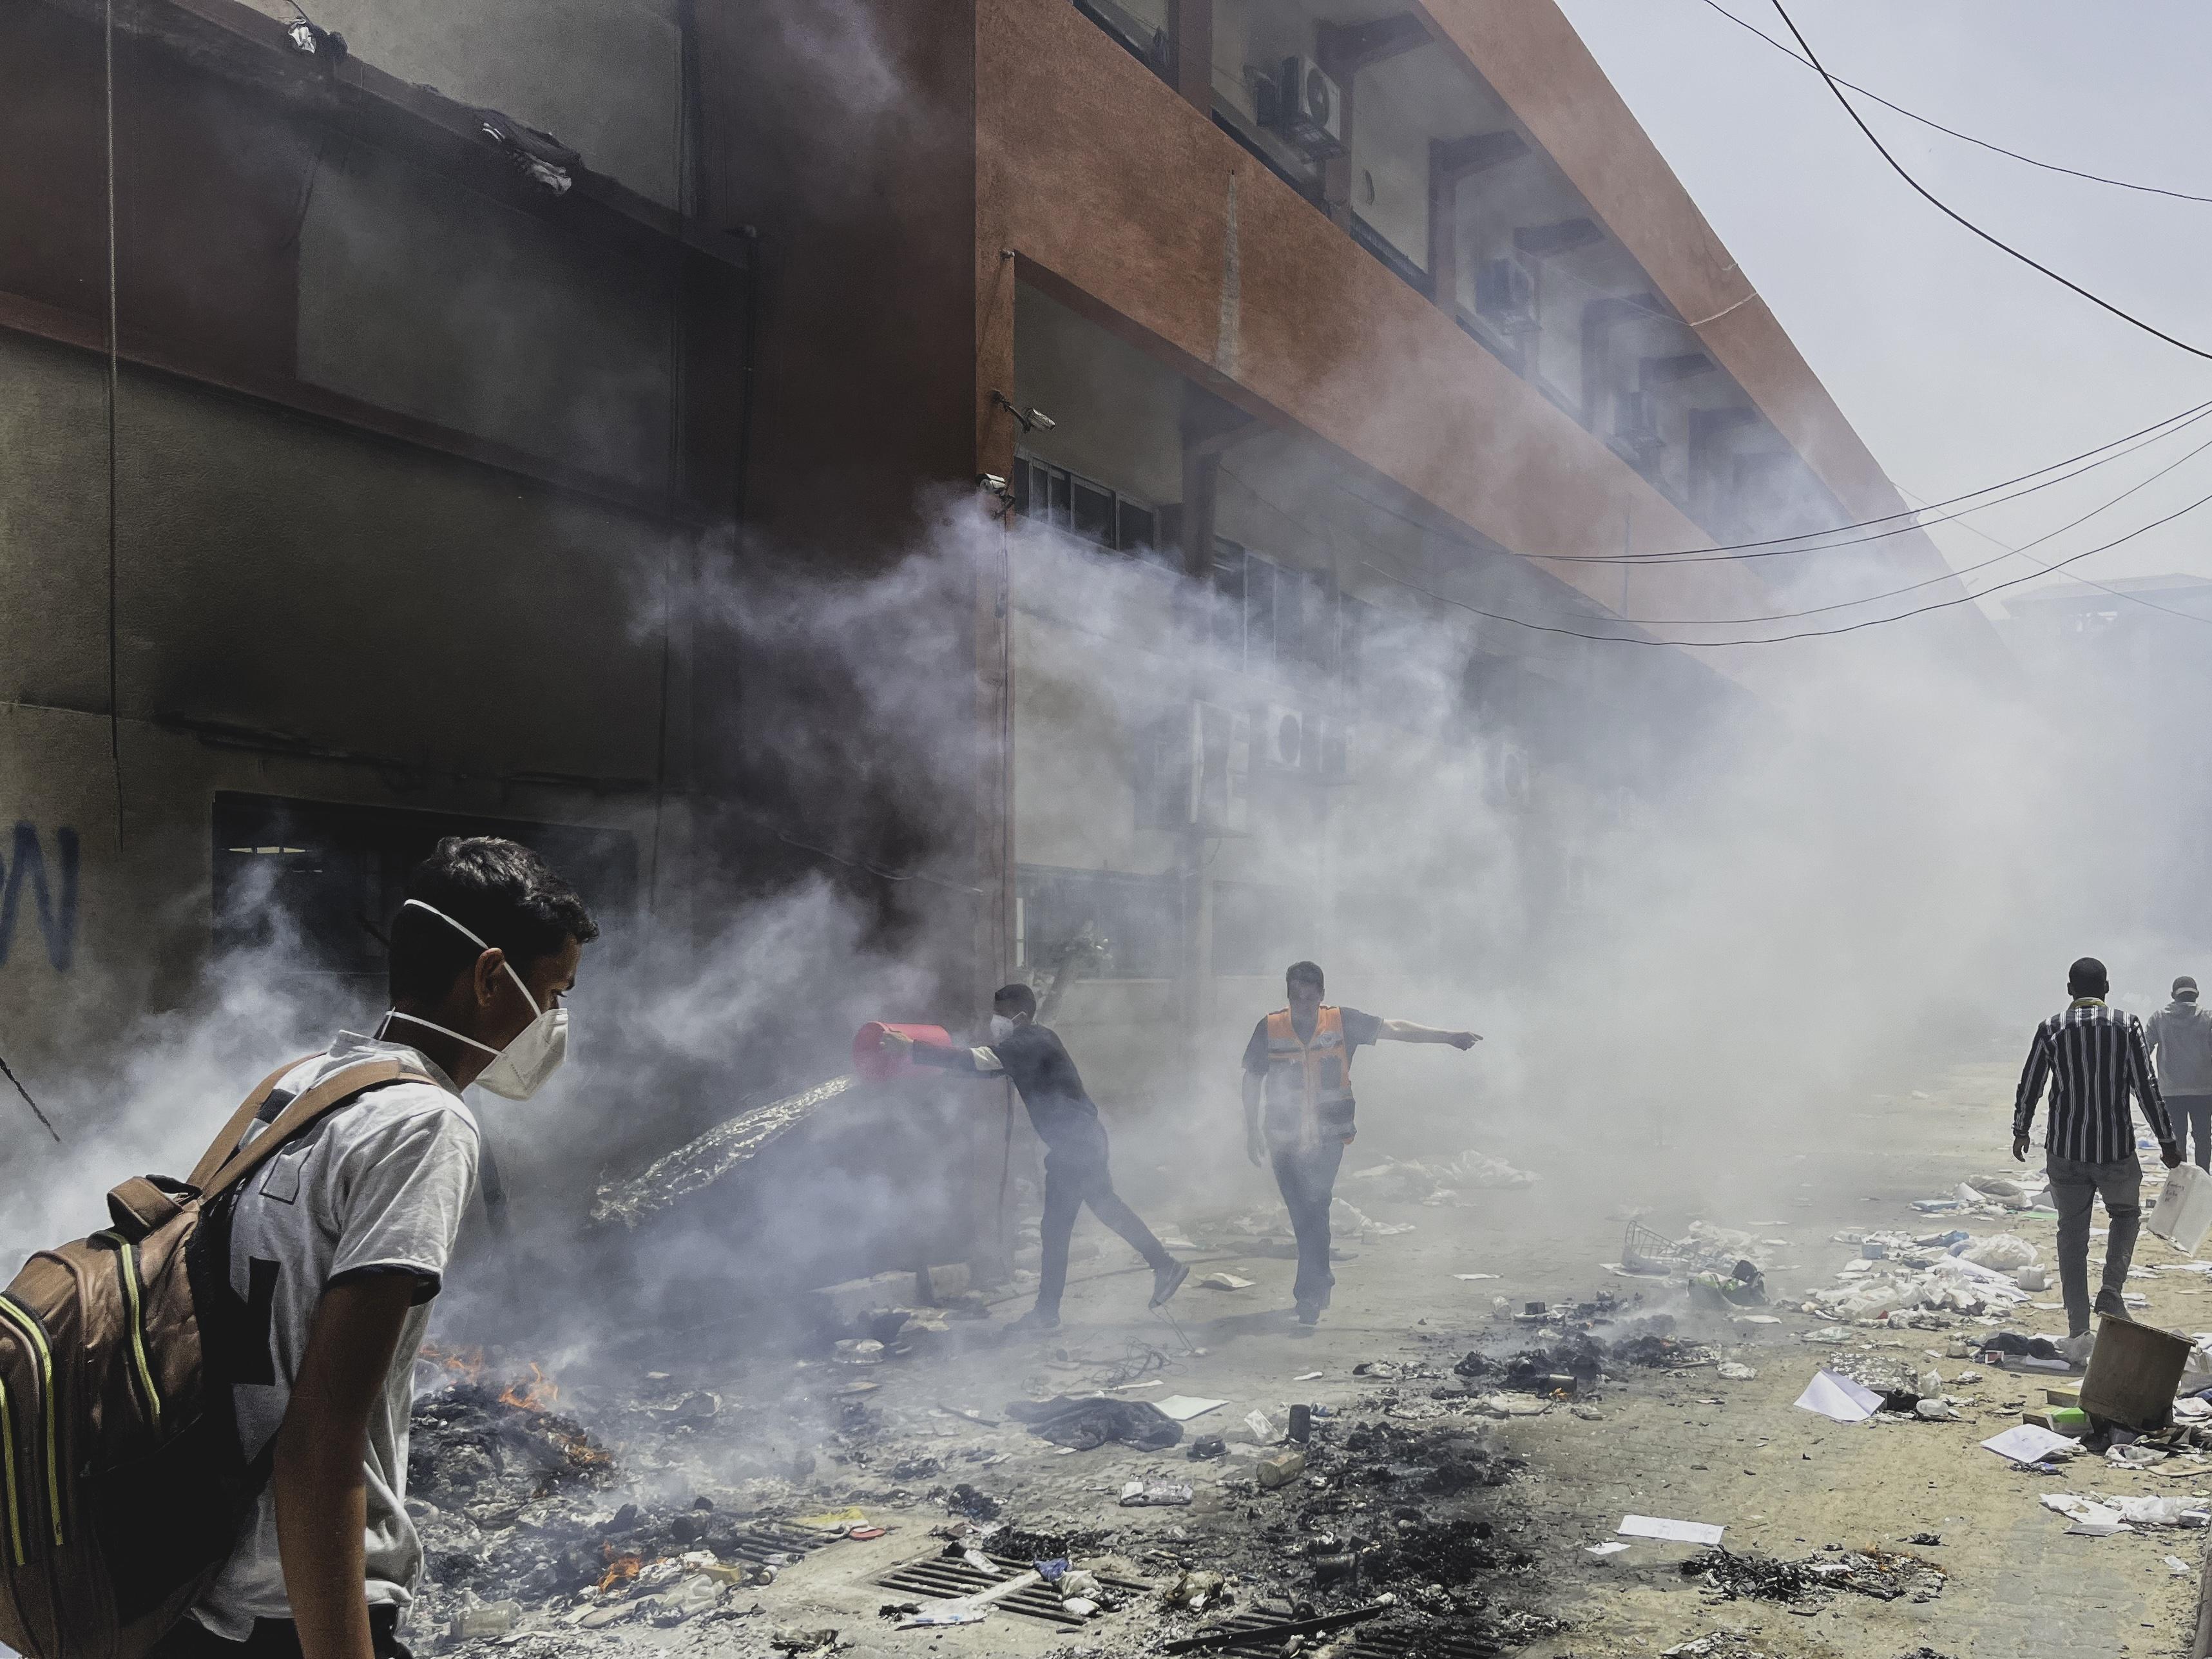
[[1167, 1280], [1037, 1319], [1309, 1313], [2110, 1306]]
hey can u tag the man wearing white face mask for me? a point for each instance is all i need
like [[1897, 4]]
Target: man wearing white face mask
[[336, 1246]]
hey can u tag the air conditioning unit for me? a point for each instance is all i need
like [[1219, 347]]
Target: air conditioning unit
[[1220, 762], [1505, 296], [1636, 424], [1507, 784], [1308, 108], [1280, 744]]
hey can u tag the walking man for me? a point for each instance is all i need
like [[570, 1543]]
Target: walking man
[[1076, 1171], [2093, 1057], [1299, 1062], [2179, 1036]]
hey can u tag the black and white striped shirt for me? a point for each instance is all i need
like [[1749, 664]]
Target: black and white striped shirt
[[2093, 1056]]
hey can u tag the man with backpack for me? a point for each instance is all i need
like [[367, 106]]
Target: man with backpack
[[338, 1242]]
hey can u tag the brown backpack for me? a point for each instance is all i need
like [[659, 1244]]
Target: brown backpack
[[123, 1484]]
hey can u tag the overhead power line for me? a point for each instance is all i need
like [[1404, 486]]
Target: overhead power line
[[1953, 132], [1304, 525], [1916, 516], [1952, 213]]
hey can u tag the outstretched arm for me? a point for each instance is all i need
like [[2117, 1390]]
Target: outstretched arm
[[976, 1062], [1405, 1031]]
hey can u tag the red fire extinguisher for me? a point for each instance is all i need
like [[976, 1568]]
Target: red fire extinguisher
[[877, 1064]]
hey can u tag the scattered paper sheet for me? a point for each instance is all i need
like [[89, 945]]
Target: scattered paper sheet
[[1225, 1281], [1308, 1376], [1184, 1407], [1611, 1546], [1263, 1430], [1471, 1278], [1755, 1319], [2024, 1442], [1836, 1396], [1675, 1532]]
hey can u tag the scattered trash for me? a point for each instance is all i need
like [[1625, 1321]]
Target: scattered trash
[[2119, 1514], [2177, 1566], [1211, 1445], [1676, 1532], [1611, 1546], [1222, 1282], [1471, 1278], [1155, 1494], [2026, 1443], [1732, 1371], [1279, 1469], [1084, 1425], [2183, 1214], [1838, 1397], [1182, 1406]]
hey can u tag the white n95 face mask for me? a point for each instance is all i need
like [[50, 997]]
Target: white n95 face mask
[[1001, 1028], [519, 1070]]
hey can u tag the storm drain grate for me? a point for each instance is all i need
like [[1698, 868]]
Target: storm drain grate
[[765, 1539], [1404, 1642], [945, 1577]]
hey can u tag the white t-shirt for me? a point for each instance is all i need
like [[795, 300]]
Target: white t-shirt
[[378, 1185]]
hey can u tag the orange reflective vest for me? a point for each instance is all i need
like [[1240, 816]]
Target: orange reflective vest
[[1310, 1081]]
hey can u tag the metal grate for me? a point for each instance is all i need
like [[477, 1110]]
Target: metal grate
[[946, 1577], [1412, 1642], [765, 1538]]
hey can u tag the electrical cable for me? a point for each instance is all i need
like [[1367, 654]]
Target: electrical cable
[[1966, 138], [2089, 582], [113, 390], [9, 1072], [1841, 605], [1952, 213], [1764, 639], [1773, 549]]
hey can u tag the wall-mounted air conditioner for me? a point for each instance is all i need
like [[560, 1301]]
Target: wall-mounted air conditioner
[[1506, 782], [1308, 108], [1279, 741], [1505, 296], [1220, 762], [1636, 424]]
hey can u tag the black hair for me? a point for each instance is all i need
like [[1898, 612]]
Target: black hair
[[1303, 973], [500, 890], [2088, 978], [1017, 997]]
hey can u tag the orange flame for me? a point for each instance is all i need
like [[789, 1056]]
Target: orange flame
[[620, 1569], [537, 1394]]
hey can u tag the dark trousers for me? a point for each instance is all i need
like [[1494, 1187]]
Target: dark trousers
[[1307, 1175], [272, 1638], [2192, 1120], [2074, 1187], [1076, 1174]]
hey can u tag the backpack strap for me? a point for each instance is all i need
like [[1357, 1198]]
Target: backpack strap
[[226, 1143], [320, 1102]]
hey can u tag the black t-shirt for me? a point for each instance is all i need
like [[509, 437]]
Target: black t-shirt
[[1042, 1072], [1359, 1028]]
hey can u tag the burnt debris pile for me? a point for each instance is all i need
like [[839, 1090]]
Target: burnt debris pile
[[1885, 1575]]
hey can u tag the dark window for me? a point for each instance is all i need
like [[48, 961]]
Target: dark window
[[1127, 927], [1139, 529], [1093, 513], [328, 878], [1355, 630], [1228, 599], [1259, 615]]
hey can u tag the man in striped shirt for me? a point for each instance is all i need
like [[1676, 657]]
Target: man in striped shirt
[[2093, 1057]]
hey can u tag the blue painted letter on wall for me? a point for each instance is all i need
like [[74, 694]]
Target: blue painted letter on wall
[[27, 865]]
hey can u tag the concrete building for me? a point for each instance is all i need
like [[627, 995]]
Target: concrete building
[[369, 449]]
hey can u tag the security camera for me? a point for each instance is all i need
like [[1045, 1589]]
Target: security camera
[[991, 483], [1041, 420]]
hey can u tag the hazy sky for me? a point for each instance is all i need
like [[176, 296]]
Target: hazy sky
[[1960, 366]]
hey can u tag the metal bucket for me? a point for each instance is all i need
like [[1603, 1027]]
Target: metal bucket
[[2133, 1372]]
